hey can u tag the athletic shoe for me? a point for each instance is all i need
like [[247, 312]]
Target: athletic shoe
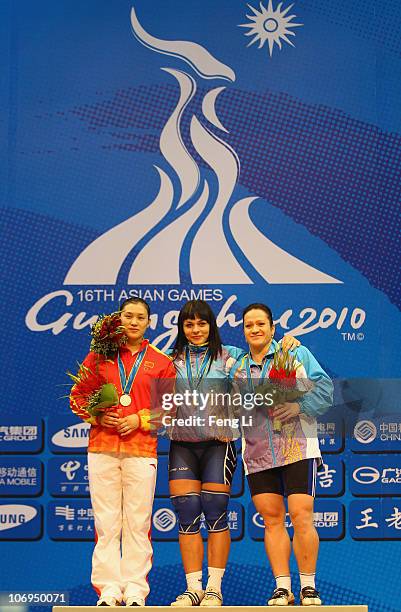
[[212, 599], [310, 597], [281, 597], [133, 601], [108, 601], [188, 598]]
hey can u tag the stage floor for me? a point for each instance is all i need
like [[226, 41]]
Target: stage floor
[[225, 608]]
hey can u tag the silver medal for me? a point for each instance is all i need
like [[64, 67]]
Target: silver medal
[[125, 399]]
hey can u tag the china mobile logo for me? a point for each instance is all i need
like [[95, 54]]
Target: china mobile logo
[[173, 215], [164, 519], [365, 432]]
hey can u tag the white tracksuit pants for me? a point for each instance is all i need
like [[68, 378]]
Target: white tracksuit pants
[[122, 490]]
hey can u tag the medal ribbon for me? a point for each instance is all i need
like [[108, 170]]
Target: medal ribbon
[[263, 373], [201, 371], [127, 383]]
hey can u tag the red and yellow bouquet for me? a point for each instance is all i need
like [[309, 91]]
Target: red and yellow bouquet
[[96, 402]]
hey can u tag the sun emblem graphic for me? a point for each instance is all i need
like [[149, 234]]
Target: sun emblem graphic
[[270, 25]]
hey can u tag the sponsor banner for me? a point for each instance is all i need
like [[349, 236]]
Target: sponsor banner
[[236, 517], [70, 519], [330, 477], [68, 477], [21, 434], [374, 519], [328, 519], [20, 476], [376, 435], [330, 430], [165, 523], [20, 520], [375, 475], [67, 434]]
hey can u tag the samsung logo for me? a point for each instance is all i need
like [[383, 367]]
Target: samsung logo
[[75, 436], [15, 515]]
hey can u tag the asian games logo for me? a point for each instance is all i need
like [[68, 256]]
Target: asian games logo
[[191, 209], [197, 217]]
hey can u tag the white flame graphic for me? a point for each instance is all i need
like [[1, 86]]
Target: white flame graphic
[[211, 260]]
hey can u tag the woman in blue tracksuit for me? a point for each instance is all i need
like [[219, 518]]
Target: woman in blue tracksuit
[[281, 454], [202, 457]]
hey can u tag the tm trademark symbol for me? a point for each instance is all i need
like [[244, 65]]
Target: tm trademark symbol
[[352, 336]]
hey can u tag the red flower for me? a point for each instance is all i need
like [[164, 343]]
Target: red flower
[[108, 327], [108, 334], [283, 377]]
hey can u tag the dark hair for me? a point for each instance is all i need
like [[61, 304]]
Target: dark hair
[[136, 300], [190, 310], [263, 307]]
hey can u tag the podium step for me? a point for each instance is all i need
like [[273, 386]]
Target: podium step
[[224, 608]]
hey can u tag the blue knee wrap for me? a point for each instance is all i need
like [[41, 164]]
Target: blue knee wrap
[[214, 506], [188, 509]]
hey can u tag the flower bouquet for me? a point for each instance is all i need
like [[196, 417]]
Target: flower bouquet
[[108, 335], [101, 400], [98, 401], [283, 384]]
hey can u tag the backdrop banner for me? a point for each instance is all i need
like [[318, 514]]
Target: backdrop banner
[[229, 151]]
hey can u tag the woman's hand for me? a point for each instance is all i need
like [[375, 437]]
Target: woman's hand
[[109, 420], [289, 342], [286, 412], [128, 424]]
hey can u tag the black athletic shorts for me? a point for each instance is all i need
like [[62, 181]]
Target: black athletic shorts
[[209, 461], [297, 477]]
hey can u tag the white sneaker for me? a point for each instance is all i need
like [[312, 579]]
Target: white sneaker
[[134, 601], [212, 599], [188, 598], [281, 597], [310, 597], [108, 601]]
